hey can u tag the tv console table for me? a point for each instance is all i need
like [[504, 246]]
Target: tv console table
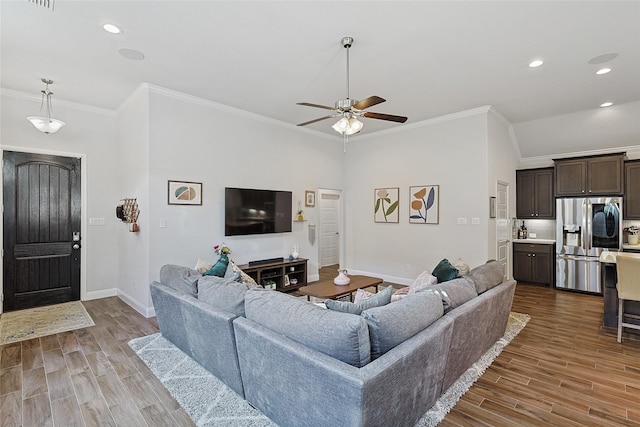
[[280, 272]]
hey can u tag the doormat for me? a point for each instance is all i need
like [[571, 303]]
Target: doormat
[[41, 321], [210, 403]]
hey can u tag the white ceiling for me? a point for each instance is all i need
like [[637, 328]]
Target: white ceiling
[[427, 58]]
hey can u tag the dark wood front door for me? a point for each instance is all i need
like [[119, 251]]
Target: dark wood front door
[[41, 230]]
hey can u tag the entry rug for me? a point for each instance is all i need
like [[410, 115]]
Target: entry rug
[[193, 386], [41, 321]]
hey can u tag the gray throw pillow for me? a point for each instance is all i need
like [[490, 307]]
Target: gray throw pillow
[[486, 276], [223, 294], [395, 323], [180, 278], [454, 293], [342, 336], [377, 300]]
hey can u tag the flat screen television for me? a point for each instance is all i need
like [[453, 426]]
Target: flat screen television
[[249, 211]]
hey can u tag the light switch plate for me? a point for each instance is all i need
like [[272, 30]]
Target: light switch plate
[[462, 221]]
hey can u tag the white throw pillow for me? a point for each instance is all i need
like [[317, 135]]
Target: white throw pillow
[[463, 267], [361, 294], [424, 280], [202, 266]]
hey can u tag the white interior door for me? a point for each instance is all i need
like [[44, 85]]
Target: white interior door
[[329, 233], [502, 227]]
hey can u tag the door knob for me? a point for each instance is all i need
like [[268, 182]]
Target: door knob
[[76, 246]]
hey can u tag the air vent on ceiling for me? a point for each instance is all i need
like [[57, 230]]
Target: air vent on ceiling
[[44, 3]]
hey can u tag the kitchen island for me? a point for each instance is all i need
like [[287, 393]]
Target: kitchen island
[[609, 279]]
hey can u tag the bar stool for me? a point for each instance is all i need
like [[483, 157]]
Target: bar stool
[[628, 286]]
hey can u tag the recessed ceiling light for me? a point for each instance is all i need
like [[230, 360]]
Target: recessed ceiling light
[[606, 104], [112, 28], [601, 59], [131, 54], [536, 63], [603, 71]]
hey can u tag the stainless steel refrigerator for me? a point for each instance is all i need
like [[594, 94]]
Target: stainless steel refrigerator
[[584, 228]]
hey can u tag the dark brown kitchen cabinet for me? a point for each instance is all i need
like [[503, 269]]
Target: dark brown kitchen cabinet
[[587, 176], [534, 263], [534, 194], [631, 200]]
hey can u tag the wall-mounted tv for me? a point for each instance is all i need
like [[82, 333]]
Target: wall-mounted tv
[[249, 211]]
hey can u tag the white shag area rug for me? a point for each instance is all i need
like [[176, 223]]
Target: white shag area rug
[[193, 386], [41, 321]]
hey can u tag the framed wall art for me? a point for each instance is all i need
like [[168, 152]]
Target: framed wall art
[[386, 205], [424, 204], [184, 193], [309, 198]]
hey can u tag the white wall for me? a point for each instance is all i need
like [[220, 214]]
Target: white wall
[[91, 134], [195, 140], [502, 161], [161, 135], [450, 152], [133, 182]]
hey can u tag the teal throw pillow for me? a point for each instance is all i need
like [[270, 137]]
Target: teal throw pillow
[[219, 268], [444, 271]]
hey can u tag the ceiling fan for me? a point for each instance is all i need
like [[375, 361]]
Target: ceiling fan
[[350, 109]]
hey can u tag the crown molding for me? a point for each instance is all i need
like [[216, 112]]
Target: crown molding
[[428, 122], [57, 102], [231, 110]]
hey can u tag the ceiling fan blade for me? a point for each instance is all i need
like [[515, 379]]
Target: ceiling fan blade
[[369, 102], [307, 104], [380, 116], [316, 120]]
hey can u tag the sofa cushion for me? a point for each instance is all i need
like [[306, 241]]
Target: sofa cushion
[[444, 271], [395, 323], [377, 300], [223, 294], [342, 336], [486, 276], [180, 278], [424, 280], [455, 292]]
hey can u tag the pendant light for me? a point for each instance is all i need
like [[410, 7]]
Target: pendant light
[[46, 124]]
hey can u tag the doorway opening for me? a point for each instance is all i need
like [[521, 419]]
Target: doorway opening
[[330, 240]]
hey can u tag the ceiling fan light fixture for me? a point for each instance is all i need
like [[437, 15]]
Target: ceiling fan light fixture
[[46, 124], [355, 126], [348, 125]]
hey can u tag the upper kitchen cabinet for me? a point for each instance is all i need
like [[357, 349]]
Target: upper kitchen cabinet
[[631, 200], [590, 176], [534, 194]]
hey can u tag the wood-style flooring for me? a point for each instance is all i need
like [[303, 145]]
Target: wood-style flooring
[[87, 377], [562, 369]]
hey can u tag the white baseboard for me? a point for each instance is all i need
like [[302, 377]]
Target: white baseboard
[[392, 279], [105, 293], [133, 303]]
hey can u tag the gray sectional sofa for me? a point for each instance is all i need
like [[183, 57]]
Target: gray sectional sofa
[[303, 365]]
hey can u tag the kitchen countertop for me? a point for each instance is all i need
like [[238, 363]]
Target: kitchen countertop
[[631, 247], [610, 256], [539, 241]]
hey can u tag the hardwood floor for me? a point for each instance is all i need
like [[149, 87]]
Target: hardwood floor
[[562, 369], [87, 377]]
